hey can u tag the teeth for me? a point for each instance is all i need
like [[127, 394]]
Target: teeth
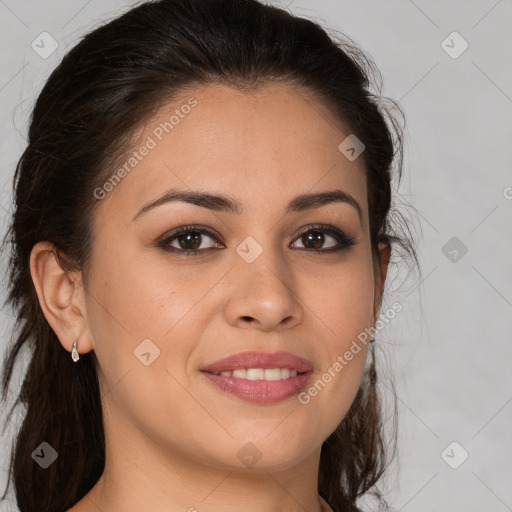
[[273, 374], [255, 374], [260, 373]]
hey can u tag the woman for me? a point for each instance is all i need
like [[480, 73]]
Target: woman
[[200, 245]]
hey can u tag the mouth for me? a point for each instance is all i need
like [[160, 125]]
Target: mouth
[[260, 377]]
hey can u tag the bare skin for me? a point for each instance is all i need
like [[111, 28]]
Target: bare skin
[[173, 438]]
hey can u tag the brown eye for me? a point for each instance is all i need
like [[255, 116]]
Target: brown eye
[[189, 240], [314, 238]]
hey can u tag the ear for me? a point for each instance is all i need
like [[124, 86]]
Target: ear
[[61, 297], [381, 272]]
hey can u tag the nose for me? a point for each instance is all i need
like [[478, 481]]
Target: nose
[[262, 296]]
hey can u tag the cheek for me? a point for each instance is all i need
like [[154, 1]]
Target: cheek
[[140, 314], [341, 304], [136, 300], [133, 302], [341, 301]]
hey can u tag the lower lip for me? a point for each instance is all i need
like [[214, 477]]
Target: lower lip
[[260, 391]]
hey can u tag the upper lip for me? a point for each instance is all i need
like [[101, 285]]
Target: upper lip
[[260, 360]]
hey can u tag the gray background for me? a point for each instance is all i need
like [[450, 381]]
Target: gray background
[[450, 348]]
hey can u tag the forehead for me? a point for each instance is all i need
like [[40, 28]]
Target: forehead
[[263, 147]]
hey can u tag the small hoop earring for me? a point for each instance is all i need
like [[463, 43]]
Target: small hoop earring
[[74, 352]]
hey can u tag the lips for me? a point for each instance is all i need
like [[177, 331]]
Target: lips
[[260, 360], [255, 385]]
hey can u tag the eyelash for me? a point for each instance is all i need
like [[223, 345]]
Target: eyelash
[[344, 241]]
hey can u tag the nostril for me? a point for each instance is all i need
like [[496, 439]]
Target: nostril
[[248, 318]]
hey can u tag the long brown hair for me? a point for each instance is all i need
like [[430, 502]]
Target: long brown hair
[[101, 92]]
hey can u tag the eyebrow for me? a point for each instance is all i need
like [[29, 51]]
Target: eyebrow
[[223, 203]]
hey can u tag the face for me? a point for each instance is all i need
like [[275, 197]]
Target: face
[[272, 275]]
